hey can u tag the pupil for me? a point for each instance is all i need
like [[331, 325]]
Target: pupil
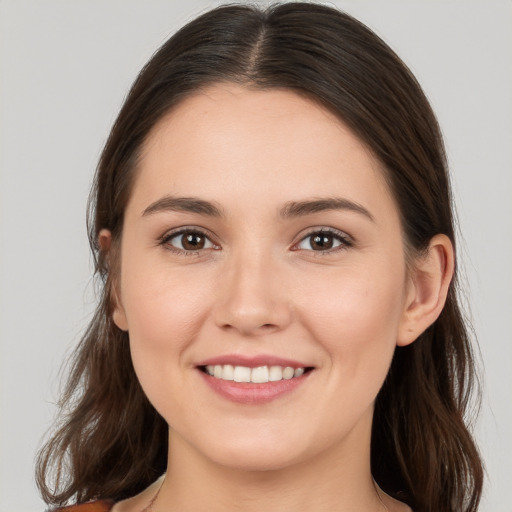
[[193, 241], [322, 242]]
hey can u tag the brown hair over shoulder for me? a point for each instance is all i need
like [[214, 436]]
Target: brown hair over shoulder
[[111, 443]]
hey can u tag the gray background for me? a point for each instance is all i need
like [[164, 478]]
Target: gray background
[[65, 67]]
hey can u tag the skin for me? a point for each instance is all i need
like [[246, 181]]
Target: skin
[[259, 286]]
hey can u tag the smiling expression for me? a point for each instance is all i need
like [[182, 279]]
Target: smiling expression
[[261, 233]]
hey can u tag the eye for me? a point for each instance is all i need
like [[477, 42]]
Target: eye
[[188, 240], [324, 241]]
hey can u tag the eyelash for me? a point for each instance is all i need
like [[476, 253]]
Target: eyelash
[[344, 240], [166, 239]]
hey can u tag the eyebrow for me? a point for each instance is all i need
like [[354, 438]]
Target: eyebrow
[[289, 210], [183, 204], [309, 207]]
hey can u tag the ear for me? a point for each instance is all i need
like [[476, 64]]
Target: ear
[[427, 289], [118, 314]]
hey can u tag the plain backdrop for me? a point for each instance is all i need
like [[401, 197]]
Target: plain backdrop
[[65, 67]]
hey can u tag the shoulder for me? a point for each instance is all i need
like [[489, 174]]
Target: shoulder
[[91, 506]]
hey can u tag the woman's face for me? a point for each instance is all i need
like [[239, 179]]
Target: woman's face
[[261, 234]]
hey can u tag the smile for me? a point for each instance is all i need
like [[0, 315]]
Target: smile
[[253, 379], [258, 375]]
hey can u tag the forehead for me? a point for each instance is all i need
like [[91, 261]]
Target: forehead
[[250, 115], [229, 140]]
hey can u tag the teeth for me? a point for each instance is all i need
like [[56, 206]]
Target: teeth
[[228, 372], [298, 372], [288, 373], [275, 373], [242, 374], [258, 375]]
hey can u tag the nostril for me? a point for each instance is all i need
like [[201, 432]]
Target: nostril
[[249, 328]]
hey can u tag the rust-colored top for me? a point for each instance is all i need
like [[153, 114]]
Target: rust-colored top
[[92, 506]]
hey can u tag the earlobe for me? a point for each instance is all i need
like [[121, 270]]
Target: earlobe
[[118, 314], [104, 241], [427, 289]]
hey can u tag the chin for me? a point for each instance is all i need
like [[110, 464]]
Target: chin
[[257, 460], [251, 452]]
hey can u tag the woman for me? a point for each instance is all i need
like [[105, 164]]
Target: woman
[[279, 326]]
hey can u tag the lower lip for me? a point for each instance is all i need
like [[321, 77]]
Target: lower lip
[[251, 393]]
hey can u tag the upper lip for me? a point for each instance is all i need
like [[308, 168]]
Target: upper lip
[[252, 361]]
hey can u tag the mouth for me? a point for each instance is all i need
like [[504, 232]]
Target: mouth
[[256, 375], [253, 380]]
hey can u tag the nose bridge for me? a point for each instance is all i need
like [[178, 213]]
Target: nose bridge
[[251, 297]]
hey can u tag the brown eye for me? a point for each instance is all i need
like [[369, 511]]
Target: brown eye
[[193, 241], [189, 241], [323, 241]]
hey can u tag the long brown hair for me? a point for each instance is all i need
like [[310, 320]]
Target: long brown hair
[[111, 443]]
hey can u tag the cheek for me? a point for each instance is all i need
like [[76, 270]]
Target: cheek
[[157, 313], [164, 312], [356, 317], [162, 302]]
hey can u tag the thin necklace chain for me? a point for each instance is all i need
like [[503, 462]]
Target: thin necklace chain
[[378, 490], [382, 503], [149, 506]]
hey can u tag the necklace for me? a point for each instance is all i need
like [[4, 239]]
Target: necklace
[[149, 506], [378, 490]]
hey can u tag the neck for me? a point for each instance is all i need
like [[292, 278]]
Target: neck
[[336, 480]]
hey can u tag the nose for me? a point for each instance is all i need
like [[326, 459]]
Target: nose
[[251, 298]]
